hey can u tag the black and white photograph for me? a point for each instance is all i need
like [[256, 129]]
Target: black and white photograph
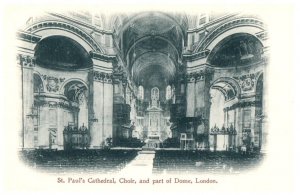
[[152, 93]]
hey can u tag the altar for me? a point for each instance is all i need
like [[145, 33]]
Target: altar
[[155, 122]]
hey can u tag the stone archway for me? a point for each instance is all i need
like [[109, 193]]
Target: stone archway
[[58, 28], [241, 25], [224, 92]]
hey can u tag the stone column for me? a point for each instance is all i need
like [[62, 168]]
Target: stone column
[[191, 97], [60, 128], [100, 107], [202, 103], [95, 110], [27, 63], [108, 108], [43, 133], [238, 126]]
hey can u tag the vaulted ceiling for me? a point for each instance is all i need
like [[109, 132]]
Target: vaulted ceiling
[[152, 44]]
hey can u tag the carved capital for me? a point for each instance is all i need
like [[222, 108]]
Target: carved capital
[[25, 61], [102, 77], [199, 75]]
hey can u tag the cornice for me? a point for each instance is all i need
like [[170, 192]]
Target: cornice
[[29, 37], [196, 56], [103, 57], [211, 23], [95, 29], [243, 105], [199, 74]]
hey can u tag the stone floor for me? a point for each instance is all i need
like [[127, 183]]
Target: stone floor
[[142, 163]]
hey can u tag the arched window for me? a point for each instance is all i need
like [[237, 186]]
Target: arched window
[[168, 92], [141, 92], [154, 94]]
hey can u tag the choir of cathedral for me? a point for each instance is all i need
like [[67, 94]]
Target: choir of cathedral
[[91, 80]]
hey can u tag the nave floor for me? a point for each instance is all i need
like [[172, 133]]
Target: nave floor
[[136, 161]]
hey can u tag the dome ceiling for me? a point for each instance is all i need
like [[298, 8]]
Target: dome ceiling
[[59, 52], [152, 24], [236, 50], [152, 63]]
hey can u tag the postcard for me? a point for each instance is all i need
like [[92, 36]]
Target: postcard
[[151, 99]]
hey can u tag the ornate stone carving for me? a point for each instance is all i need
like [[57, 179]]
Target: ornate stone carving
[[102, 77], [199, 75], [53, 83], [26, 61], [246, 82], [119, 75]]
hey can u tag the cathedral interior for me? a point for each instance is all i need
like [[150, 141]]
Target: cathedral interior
[[149, 80]]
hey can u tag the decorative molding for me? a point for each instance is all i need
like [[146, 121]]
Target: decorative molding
[[243, 105], [119, 74], [199, 75], [229, 25], [263, 35], [25, 60], [196, 56], [103, 57], [29, 37], [53, 83], [57, 104], [247, 82], [68, 27], [212, 23], [94, 28], [102, 77]]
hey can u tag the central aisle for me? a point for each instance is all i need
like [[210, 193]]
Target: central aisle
[[141, 165]]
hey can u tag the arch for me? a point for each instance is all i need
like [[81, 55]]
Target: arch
[[168, 92], [241, 25], [235, 49], [160, 14], [61, 52], [38, 84], [150, 36], [149, 52], [62, 87], [141, 92], [228, 81], [258, 77], [51, 28]]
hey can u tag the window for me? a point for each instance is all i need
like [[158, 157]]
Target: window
[[168, 92], [141, 92], [155, 93]]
